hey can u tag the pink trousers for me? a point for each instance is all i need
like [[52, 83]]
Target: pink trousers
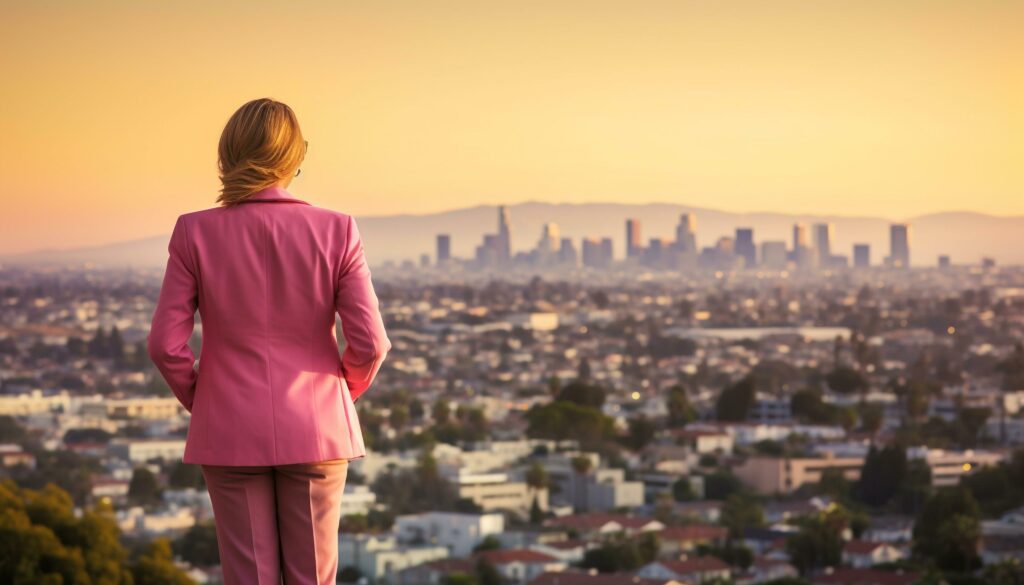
[[278, 522]]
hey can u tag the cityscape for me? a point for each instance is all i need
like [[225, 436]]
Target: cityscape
[[705, 425]]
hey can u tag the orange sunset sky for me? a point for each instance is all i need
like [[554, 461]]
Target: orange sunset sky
[[111, 110]]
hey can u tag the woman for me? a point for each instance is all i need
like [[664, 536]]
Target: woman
[[273, 423]]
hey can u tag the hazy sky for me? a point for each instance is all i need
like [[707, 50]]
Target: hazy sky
[[111, 111]]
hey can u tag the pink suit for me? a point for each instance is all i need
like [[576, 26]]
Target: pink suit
[[272, 402]]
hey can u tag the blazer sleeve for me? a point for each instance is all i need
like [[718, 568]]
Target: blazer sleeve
[[174, 319], [362, 326]]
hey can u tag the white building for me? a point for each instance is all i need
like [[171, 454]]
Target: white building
[[380, 557], [458, 533], [143, 450]]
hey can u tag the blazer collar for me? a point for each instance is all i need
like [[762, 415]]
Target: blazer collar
[[273, 194]]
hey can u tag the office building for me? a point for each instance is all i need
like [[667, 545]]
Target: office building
[[444, 248], [774, 255], [567, 253], [745, 247], [504, 240], [634, 244], [861, 255], [596, 253], [944, 261], [686, 233], [899, 245], [803, 253], [823, 244]]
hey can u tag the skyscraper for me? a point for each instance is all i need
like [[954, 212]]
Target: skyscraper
[[745, 247], [444, 248], [899, 245], [597, 253], [861, 255], [823, 243], [803, 253], [686, 233], [773, 255], [548, 244], [504, 240], [634, 244]]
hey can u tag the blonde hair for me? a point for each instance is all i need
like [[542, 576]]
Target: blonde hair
[[260, 145]]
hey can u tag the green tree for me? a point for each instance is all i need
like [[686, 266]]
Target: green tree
[[1009, 572], [882, 475], [680, 411], [846, 380], [819, 543], [155, 566], [735, 401], [740, 512], [198, 545], [144, 489], [641, 432], [947, 531]]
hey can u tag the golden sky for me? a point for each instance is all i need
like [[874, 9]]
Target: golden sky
[[111, 110]]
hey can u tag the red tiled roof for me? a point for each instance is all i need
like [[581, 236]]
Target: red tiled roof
[[866, 577], [861, 547], [695, 565], [565, 544], [513, 555], [573, 578], [693, 532]]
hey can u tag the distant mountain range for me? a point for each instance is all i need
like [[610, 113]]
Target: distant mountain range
[[965, 236]]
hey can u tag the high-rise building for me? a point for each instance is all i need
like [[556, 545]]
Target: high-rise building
[[803, 253], [607, 252], [656, 252], [686, 233], [745, 247], [567, 253], [548, 245], [899, 245], [597, 253], [774, 255], [634, 244], [444, 248], [504, 240], [823, 243], [861, 255], [944, 261]]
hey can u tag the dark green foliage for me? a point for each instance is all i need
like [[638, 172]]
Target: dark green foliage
[[680, 411], [735, 401], [199, 545], [144, 488], [740, 512], [882, 476], [583, 393], [562, 420], [720, 485], [622, 554], [846, 380], [948, 530]]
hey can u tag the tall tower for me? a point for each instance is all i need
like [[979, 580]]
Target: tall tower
[[444, 248], [899, 245], [633, 243], [549, 243], [745, 247], [803, 253], [686, 233], [861, 255], [823, 242], [504, 235]]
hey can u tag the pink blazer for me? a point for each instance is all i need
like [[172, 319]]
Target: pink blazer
[[267, 277]]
